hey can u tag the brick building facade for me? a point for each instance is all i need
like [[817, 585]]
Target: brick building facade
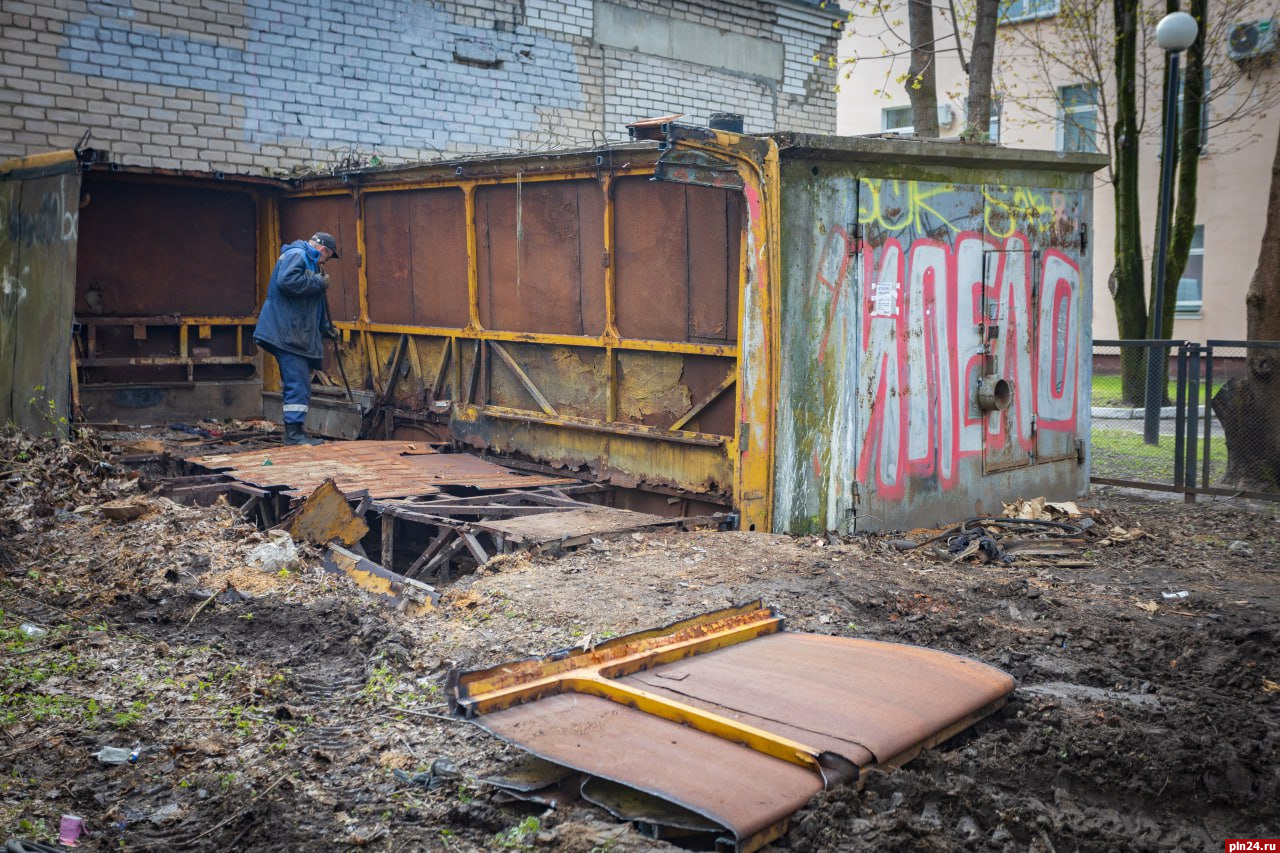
[[247, 86]]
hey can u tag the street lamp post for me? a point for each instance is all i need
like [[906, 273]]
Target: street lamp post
[[1175, 33]]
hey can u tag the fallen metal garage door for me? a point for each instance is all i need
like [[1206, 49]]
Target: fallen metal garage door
[[728, 716]]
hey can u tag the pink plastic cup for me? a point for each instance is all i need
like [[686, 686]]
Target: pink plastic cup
[[69, 830]]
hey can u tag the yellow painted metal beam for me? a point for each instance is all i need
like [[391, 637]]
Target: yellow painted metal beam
[[362, 270], [473, 259], [35, 162], [470, 182], [759, 330], [595, 672], [592, 425], [682, 347]]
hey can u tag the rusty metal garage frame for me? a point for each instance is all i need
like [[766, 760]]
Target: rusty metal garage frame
[[751, 358]]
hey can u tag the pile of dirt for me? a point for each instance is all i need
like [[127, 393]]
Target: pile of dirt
[[286, 710]]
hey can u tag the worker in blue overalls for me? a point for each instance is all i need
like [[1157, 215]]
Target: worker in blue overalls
[[293, 320]]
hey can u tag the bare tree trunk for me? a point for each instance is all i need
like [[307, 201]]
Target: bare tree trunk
[[1127, 284], [1249, 407], [978, 107], [922, 85]]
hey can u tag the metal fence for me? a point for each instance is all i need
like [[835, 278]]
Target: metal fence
[[1208, 429]]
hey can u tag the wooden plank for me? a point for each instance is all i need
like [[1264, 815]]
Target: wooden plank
[[431, 550], [473, 545]]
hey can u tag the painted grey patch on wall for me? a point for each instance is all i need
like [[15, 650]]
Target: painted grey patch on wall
[[389, 79]]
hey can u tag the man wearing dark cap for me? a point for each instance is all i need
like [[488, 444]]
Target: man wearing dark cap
[[293, 320]]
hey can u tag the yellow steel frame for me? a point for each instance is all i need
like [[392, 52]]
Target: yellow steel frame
[[595, 672], [753, 376]]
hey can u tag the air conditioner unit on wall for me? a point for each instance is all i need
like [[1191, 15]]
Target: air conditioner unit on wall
[[1251, 39]]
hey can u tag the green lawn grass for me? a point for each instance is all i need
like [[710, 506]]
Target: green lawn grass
[[1106, 390], [1122, 454]]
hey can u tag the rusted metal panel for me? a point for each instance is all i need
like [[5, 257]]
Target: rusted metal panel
[[302, 216], [387, 469], [759, 718], [541, 257], [867, 700], [739, 789], [628, 460], [326, 516], [678, 255], [715, 244], [148, 249], [703, 376], [573, 379], [39, 204], [652, 247], [416, 241], [660, 388]]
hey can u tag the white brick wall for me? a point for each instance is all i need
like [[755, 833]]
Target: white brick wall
[[241, 87]]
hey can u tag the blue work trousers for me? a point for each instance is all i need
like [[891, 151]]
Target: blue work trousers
[[295, 376]]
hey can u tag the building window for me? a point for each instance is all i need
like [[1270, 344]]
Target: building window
[[1014, 11], [993, 126], [896, 120], [1191, 285], [1078, 125]]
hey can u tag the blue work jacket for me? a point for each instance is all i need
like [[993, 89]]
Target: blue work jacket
[[293, 316]]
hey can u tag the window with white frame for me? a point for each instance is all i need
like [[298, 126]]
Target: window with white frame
[[1191, 285], [896, 120], [993, 126], [1015, 11], [1078, 118]]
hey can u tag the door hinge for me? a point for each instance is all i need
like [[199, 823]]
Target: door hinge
[[855, 238], [1079, 451], [1084, 236], [604, 259]]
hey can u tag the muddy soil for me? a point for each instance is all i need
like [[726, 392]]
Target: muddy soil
[[287, 710]]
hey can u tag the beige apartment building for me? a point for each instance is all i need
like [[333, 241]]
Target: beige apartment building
[[1047, 99]]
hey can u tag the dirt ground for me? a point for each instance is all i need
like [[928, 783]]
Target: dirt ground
[[287, 710]]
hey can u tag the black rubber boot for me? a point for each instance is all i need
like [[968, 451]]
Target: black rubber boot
[[295, 434]]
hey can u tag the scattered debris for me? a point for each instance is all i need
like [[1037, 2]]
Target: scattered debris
[[116, 755], [327, 516], [125, 509], [270, 713], [277, 554], [1040, 509]]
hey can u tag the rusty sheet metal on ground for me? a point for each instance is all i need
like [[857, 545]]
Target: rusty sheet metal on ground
[[387, 469], [728, 716], [571, 524], [740, 789], [326, 515]]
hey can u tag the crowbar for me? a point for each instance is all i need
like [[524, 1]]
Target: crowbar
[[342, 371]]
